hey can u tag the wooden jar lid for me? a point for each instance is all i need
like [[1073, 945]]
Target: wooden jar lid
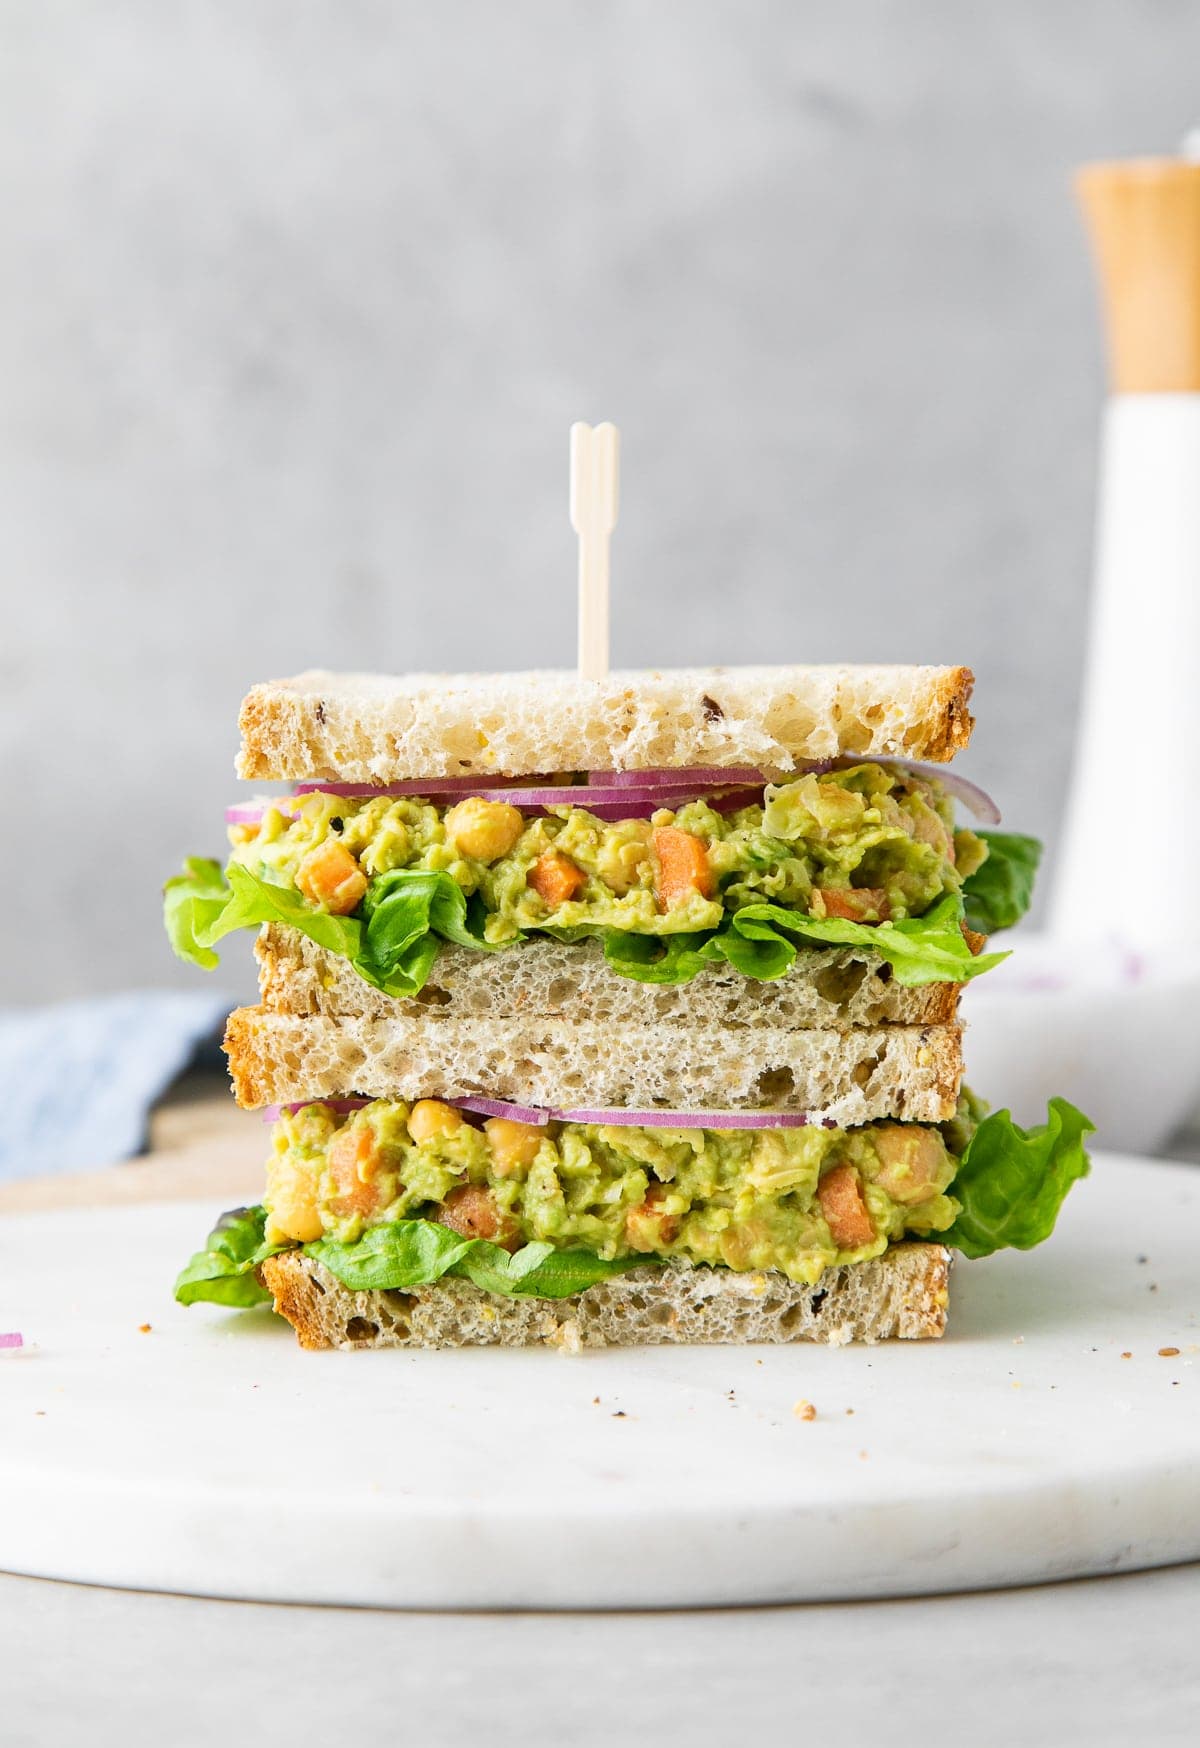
[[1144, 219]]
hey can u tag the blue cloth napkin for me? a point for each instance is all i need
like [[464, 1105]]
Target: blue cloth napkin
[[78, 1080]]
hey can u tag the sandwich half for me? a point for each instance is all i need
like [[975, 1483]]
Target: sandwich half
[[623, 1012]]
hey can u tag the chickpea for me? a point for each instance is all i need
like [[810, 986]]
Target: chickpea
[[293, 1210], [512, 1145], [484, 830], [911, 1161], [430, 1117]]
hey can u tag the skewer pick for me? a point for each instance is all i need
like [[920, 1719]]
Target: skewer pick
[[595, 465]]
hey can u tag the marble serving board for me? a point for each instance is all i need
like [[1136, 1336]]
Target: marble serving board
[[1054, 1432]]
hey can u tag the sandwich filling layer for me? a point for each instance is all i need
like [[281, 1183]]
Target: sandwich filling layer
[[795, 1200], [393, 1197], [864, 844], [862, 857]]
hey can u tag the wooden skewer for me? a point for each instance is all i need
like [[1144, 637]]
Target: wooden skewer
[[595, 465]]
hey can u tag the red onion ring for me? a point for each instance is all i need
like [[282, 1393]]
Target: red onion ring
[[11, 1338], [678, 777], [629, 795], [539, 1115]]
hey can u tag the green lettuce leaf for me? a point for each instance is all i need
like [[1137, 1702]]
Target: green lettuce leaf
[[223, 1272], [1012, 1181], [192, 902], [659, 958], [411, 1253], [404, 1253], [761, 940], [999, 893], [392, 945], [405, 913]]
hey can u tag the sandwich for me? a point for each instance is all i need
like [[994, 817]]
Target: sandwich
[[615, 1011]]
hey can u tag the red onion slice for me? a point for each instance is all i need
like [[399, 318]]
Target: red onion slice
[[607, 803], [540, 1115], [11, 1338], [695, 1119], [502, 1108], [537, 1114], [678, 777]]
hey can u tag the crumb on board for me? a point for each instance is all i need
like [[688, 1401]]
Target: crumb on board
[[1127, 1355], [804, 1410], [1167, 1353], [619, 1414], [145, 1328]]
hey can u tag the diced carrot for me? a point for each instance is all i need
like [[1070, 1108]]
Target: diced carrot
[[647, 1227], [354, 1165], [471, 1211], [856, 904], [682, 866], [330, 877], [555, 878], [844, 1209]]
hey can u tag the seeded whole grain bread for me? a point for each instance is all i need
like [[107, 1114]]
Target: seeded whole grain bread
[[374, 728], [543, 979], [911, 1072], [902, 1294]]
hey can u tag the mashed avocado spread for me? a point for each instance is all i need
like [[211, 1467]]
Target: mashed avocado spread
[[797, 1200], [864, 844]]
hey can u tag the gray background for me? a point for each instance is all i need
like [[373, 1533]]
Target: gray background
[[299, 297]]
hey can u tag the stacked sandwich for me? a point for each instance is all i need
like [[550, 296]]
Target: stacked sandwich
[[618, 1011]]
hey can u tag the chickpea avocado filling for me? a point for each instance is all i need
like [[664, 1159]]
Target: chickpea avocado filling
[[395, 1195], [790, 1199], [864, 855]]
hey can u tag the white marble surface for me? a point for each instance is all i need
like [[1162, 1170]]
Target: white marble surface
[[1102, 1662], [1055, 1433]]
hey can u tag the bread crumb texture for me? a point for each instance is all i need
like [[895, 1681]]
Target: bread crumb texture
[[541, 979], [909, 1072], [898, 1296]]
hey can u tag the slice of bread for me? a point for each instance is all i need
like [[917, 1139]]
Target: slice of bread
[[849, 1077], [544, 979], [902, 1294], [374, 728]]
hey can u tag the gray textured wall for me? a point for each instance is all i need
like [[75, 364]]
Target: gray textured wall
[[300, 296]]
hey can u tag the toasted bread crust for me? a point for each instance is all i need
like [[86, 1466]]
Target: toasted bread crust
[[902, 1295], [382, 729], [543, 979], [857, 1076]]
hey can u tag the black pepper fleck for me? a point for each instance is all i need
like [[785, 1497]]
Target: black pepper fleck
[[320, 710], [712, 710], [335, 824]]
